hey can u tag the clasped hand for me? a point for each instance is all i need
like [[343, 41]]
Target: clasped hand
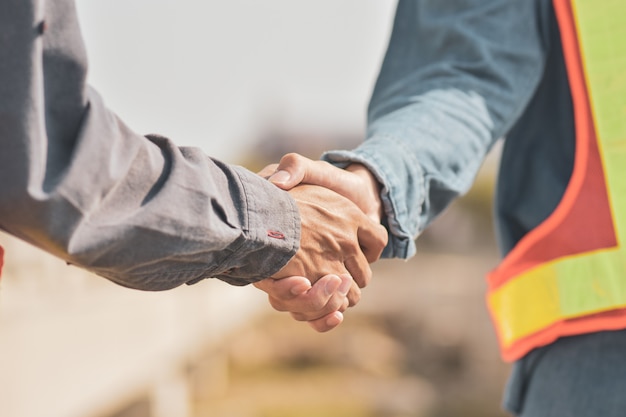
[[340, 236]]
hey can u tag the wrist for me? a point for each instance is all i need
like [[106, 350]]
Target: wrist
[[373, 188]]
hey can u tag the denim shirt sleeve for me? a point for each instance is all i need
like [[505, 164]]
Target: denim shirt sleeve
[[456, 76], [138, 210]]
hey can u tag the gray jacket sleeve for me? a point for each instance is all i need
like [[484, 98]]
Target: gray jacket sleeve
[[138, 210]]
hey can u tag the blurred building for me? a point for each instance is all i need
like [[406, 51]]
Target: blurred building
[[76, 345]]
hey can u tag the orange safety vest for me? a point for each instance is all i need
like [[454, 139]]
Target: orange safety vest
[[568, 275]]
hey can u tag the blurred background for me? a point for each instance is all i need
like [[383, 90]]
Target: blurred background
[[248, 81]]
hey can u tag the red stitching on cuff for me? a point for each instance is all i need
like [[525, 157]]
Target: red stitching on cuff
[[275, 235]]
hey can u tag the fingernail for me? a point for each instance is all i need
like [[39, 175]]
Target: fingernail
[[345, 287], [335, 319], [280, 177]]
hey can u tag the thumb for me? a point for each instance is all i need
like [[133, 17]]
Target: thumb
[[268, 170], [295, 169], [291, 171]]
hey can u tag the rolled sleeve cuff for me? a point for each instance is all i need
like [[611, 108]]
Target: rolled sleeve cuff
[[272, 235]]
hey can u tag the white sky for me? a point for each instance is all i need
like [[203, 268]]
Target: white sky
[[213, 73]]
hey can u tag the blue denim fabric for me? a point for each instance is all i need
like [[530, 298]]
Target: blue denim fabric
[[459, 75]]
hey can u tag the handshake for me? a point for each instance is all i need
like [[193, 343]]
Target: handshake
[[341, 235]]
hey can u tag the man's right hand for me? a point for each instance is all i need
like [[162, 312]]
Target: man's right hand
[[322, 303], [336, 238]]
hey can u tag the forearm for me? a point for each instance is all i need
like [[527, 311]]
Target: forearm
[[453, 81], [423, 157], [80, 184]]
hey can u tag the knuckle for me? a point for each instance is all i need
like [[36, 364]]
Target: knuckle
[[353, 299], [333, 304], [317, 304], [290, 158], [383, 236]]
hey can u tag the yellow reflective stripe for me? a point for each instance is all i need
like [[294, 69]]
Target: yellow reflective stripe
[[566, 288], [524, 305], [602, 33], [592, 282]]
